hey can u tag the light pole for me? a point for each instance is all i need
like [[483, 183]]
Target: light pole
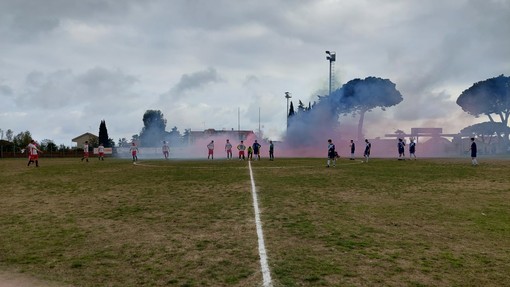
[[331, 57], [287, 96]]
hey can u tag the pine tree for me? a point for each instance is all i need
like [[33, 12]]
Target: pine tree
[[103, 134], [291, 110], [301, 107]]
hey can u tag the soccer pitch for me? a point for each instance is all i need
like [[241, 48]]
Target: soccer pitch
[[430, 222]]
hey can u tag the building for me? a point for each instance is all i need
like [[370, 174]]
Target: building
[[80, 140], [433, 143]]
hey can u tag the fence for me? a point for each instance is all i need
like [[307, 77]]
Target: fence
[[15, 152]]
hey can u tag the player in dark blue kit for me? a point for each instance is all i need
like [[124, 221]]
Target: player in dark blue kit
[[412, 149], [368, 147], [353, 149], [256, 149], [271, 150], [474, 162], [401, 149], [331, 153]]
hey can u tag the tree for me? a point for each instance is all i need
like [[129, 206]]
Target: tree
[[361, 96], [310, 125], [48, 145], [301, 107], [1, 134], [291, 110], [8, 135], [489, 97], [174, 137], [486, 131], [22, 139], [291, 114], [103, 135], [186, 137], [301, 113], [123, 142], [153, 131], [63, 148], [6, 146]]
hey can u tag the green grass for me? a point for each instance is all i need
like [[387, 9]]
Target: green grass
[[434, 222]]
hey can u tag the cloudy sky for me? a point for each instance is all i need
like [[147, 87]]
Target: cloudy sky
[[66, 65]]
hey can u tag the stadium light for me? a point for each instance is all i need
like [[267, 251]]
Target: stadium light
[[331, 57], [287, 96]]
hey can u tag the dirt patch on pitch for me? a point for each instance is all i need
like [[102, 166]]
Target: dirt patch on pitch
[[13, 279]]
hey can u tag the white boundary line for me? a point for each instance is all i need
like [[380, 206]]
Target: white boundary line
[[266, 273]]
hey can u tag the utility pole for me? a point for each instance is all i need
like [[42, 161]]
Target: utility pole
[[259, 125]]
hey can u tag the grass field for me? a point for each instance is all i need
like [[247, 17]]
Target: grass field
[[437, 222]]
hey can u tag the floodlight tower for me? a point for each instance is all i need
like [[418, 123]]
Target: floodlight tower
[[287, 96], [331, 57]]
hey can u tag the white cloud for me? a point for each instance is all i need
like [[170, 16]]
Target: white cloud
[[86, 33]]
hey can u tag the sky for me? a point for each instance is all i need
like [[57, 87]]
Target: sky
[[65, 65]]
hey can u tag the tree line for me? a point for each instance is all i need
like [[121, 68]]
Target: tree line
[[14, 143], [490, 98]]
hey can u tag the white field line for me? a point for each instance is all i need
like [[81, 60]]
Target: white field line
[[173, 166], [266, 273], [143, 164]]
